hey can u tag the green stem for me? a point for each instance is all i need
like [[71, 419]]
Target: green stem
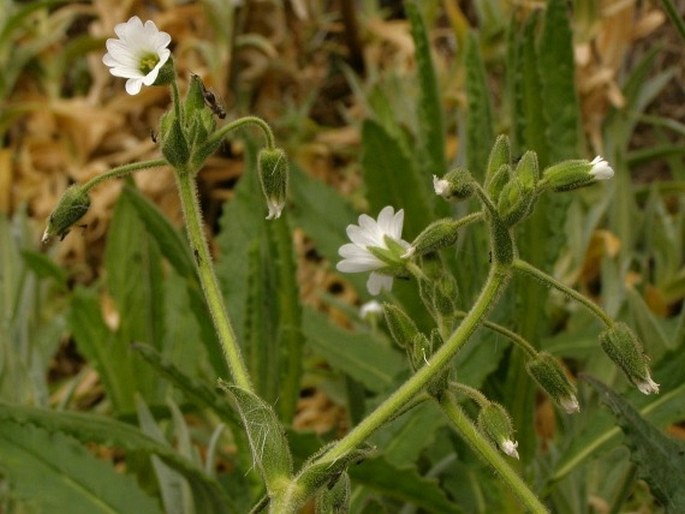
[[122, 171], [546, 279], [513, 336], [470, 392], [247, 120], [496, 281], [674, 15], [489, 454], [210, 286]]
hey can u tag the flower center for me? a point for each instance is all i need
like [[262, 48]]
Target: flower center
[[148, 62]]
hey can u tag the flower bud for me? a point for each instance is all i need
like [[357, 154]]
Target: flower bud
[[550, 375], [528, 171], [622, 345], [173, 142], [500, 155], [499, 179], [494, 421], [402, 327], [71, 207], [273, 175], [439, 234], [575, 173], [457, 183]]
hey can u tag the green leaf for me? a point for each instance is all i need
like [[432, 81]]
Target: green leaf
[[358, 355], [404, 439], [480, 132], [404, 484], [58, 474], [392, 178], [266, 435], [176, 250], [197, 391], [98, 344], [660, 459], [44, 267], [170, 241], [431, 123], [557, 77], [99, 429]]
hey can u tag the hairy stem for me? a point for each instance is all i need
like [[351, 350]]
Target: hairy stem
[[122, 171], [241, 122], [210, 286], [546, 279]]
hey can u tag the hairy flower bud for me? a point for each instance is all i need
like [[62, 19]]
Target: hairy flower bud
[[457, 183], [575, 173], [622, 345], [517, 197], [402, 327], [273, 175], [494, 421], [71, 207], [550, 375], [173, 142], [439, 234], [500, 155]]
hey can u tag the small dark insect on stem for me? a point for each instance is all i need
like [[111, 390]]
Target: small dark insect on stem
[[211, 100]]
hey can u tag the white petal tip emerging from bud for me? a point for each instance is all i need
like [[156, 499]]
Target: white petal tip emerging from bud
[[570, 404], [441, 186], [509, 447], [601, 169], [370, 308], [46, 237], [275, 209], [409, 253], [648, 386]]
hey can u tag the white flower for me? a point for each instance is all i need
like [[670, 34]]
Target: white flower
[[509, 447], [370, 308], [371, 233], [138, 54], [648, 386], [601, 169], [440, 186]]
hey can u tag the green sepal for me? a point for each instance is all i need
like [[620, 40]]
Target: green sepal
[[568, 175], [439, 383], [74, 203], [167, 74], [273, 176], [500, 155], [402, 328], [436, 236], [173, 144], [494, 421], [335, 499], [499, 179], [195, 101], [315, 475], [528, 171], [550, 375], [457, 183], [266, 436], [623, 346]]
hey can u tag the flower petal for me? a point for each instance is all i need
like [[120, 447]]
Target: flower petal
[[377, 282]]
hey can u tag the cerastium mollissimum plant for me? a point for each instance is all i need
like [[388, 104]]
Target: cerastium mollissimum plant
[[188, 135]]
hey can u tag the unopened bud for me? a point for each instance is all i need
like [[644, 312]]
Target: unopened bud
[[402, 327], [500, 155], [173, 142], [457, 183], [575, 173], [622, 345], [335, 498], [515, 202], [439, 234], [494, 421], [550, 375], [71, 207], [527, 170], [499, 179], [273, 175]]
